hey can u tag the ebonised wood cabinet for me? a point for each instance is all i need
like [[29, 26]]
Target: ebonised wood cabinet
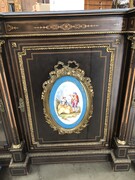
[[95, 49]]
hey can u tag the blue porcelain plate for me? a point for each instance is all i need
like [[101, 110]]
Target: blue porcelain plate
[[68, 102]]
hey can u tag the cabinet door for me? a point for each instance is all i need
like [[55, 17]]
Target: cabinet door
[[100, 60]]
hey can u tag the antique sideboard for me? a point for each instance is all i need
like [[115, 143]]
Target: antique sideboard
[[67, 88]]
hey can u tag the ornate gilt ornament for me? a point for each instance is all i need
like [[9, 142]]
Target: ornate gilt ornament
[[132, 39], [9, 28], [66, 26], [1, 42], [67, 98], [14, 45], [21, 105], [16, 146], [121, 142]]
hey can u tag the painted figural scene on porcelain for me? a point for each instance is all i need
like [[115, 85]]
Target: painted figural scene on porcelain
[[67, 98], [67, 102]]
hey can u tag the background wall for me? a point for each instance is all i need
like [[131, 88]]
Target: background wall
[[98, 4], [31, 5]]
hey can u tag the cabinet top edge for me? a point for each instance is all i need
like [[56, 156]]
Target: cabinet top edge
[[69, 13]]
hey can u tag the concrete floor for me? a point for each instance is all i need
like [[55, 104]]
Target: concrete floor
[[77, 171]]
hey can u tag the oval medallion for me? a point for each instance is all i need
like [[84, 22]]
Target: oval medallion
[[67, 102], [67, 98]]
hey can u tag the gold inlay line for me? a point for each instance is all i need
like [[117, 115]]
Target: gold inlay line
[[65, 47]]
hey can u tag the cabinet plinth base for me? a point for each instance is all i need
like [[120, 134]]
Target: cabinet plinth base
[[120, 164], [20, 168], [120, 150], [18, 154]]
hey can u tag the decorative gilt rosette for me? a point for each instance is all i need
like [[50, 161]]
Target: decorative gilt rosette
[[67, 98]]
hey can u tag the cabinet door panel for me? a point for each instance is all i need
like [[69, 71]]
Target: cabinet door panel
[[98, 56]]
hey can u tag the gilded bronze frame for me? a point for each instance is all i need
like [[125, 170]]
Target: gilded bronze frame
[[67, 70]]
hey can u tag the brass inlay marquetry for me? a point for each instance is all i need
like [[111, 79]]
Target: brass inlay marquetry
[[116, 24], [120, 160], [117, 41], [66, 34], [5, 156], [21, 105], [70, 153], [9, 27], [65, 47], [100, 142], [1, 42], [132, 23], [111, 50], [65, 26], [132, 39], [14, 45]]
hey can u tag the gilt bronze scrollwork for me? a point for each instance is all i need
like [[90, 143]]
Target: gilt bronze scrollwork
[[67, 98]]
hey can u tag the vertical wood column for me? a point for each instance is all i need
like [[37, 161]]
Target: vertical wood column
[[129, 94], [7, 103], [19, 162], [120, 158]]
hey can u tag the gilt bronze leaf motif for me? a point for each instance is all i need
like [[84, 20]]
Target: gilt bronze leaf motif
[[67, 98]]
